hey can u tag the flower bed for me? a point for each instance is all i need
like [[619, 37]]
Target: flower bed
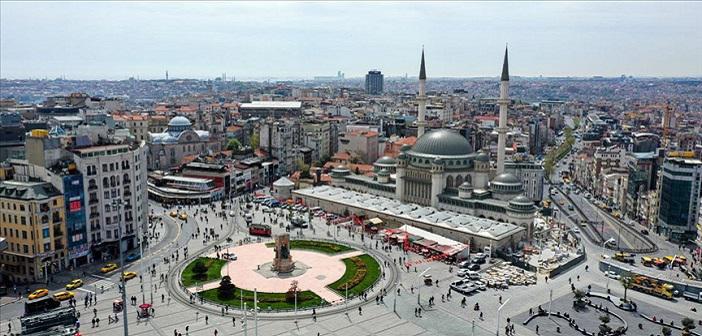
[[317, 246], [213, 266], [361, 273], [274, 301]]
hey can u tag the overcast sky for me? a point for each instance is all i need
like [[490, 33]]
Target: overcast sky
[[116, 40]]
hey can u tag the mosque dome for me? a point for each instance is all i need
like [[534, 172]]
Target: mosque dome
[[442, 142], [384, 172], [405, 148], [506, 179], [179, 121], [482, 157], [522, 203], [386, 160]]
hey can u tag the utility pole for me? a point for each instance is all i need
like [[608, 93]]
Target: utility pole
[[118, 204]]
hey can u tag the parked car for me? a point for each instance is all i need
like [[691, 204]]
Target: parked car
[[229, 256], [133, 257], [473, 267], [612, 275]]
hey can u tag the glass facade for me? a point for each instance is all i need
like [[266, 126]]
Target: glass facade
[[675, 202], [75, 218]]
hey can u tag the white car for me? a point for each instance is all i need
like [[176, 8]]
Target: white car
[[576, 230], [612, 275], [229, 256]]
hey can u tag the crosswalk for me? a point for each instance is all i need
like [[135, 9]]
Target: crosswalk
[[102, 284]]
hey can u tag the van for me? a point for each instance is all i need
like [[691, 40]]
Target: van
[[473, 275]]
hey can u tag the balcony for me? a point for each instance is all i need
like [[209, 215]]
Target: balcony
[[127, 193], [94, 214], [128, 207], [93, 201], [125, 181], [95, 227], [92, 187]]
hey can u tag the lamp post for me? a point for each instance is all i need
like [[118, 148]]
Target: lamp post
[[418, 287], [499, 310], [118, 203]]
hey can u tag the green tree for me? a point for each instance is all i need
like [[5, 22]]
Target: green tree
[[303, 168], [200, 270], [666, 331], [688, 324], [626, 283], [255, 140], [604, 328], [234, 145], [579, 299], [226, 288]]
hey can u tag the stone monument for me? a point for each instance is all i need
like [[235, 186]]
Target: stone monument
[[283, 263]]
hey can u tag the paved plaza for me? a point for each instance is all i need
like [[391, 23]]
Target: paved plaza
[[395, 315], [320, 270]]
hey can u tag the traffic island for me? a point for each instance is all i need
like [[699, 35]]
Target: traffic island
[[202, 270]]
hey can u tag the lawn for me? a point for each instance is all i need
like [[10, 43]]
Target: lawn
[[361, 272], [214, 271], [276, 301], [317, 246]]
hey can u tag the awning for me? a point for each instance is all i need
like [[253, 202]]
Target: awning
[[376, 221]]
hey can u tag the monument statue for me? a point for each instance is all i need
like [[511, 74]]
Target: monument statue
[[282, 262]]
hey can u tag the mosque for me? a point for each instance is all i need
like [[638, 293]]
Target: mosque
[[442, 172], [167, 149]]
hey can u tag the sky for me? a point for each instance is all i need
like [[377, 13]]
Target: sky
[[118, 40]]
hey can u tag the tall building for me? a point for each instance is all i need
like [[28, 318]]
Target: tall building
[[532, 176], [502, 126], [33, 222], [680, 185], [279, 139], [374, 82]]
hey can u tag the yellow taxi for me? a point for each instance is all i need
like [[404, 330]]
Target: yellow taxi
[[109, 267], [128, 275], [174, 213], [42, 292], [183, 216], [63, 296], [74, 284]]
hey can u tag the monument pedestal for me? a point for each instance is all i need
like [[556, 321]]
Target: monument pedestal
[[282, 262]]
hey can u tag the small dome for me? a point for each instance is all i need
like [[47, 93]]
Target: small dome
[[341, 167], [384, 172], [405, 148], [482, 157], [402, 156], [506, 179], [442, 142], [179, 121], [386, 160], [521, 200], [465, 186]]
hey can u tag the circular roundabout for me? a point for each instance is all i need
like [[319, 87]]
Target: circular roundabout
[[283, 275]]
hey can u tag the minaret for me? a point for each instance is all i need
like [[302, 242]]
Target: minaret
[[422, 98], [502, 129]]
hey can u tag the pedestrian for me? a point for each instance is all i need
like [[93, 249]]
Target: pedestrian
[[207, 319], [537, 329], [215, 332], [360, 311], [197, 315], [233, 321]]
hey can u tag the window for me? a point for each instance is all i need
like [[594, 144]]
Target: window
[[104, 167], [25, 248], [47, 247], [23, 220], [45, 233], [24, 234]]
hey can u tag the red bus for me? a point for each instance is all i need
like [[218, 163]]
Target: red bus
[[260, 230]]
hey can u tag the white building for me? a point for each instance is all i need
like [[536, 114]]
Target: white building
[[112, 174]]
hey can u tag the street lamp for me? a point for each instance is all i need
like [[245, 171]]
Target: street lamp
[[418, 287], [499, 310], [118, 203]]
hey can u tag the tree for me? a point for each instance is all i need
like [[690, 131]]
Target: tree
[[255, 140], [688, 324], [579, 297], [234, 145], [626, 283], [666, 331], [303, 168], [604, 328], [226, 288], [200, 270]]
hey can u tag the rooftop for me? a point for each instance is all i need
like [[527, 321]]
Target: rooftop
[[28, 190], [460, 222], [272, 104]]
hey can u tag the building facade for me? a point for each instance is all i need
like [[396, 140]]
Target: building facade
[[33, 221], [167, 149], [374, 82], [681, 183]]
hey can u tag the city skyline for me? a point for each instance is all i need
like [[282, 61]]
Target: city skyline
[[245, 40]]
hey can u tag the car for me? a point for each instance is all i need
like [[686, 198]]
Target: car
[[473, 275], [41, 292], [174, 213], [576, 230], [473, 267], [74, 284], [109, 267], [477, 260], [63, 296], [644, 232], [133, 257], [229, 256], [183, 216], [267, 209], [128, 275], [612, 275], [480, 285]]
